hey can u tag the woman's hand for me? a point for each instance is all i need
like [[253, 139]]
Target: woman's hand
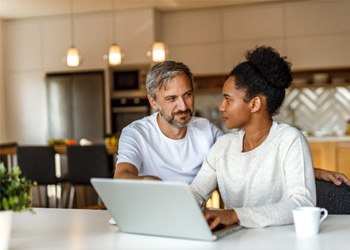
[[335, 177], [216, 217]]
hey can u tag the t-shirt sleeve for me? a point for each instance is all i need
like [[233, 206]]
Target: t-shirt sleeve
[[206, 180], [129, 150]]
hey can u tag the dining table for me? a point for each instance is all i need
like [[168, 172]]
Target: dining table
[[54, 228]]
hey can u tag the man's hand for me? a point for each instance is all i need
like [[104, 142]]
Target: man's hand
[[335, 177], [152, 178], [128, 171], [216, 217]]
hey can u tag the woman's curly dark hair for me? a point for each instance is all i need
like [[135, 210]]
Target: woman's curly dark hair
[[265, 73]]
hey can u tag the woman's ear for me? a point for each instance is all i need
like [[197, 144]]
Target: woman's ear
[[255, 104], [152, 102]]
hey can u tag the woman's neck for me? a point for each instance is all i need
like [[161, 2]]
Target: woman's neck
[[256, 134]]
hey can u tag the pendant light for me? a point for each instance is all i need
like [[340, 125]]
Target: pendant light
[[114, 52], [73, 58], [158, 52]]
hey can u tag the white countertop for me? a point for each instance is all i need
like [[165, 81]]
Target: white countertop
[[328, 138], [51, 228]]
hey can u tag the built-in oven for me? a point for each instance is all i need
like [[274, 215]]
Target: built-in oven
[[128, 95], [125, 110]]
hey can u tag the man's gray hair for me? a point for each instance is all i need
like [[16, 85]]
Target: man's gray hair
[[161, 73]]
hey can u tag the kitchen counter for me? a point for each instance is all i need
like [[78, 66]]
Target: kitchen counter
[[345, 138]]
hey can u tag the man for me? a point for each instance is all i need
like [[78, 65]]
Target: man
[[171, 144]]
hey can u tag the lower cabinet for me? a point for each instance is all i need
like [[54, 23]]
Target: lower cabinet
[[343, 158], [334, 156]]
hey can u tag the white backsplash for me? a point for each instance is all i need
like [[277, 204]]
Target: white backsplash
[[324, 110]]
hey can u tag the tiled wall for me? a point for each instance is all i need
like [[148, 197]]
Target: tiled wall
[[318, 109], [310, 109]]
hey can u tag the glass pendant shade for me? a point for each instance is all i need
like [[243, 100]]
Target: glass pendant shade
[[73, 57], [114, 55], [158, 52]]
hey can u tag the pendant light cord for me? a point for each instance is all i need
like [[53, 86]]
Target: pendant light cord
[[113, 22], [71, 23]]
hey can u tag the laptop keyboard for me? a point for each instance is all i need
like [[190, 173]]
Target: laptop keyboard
[[222, 230]]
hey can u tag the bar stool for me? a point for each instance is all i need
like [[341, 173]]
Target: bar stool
[[38, 164], [84, 163]]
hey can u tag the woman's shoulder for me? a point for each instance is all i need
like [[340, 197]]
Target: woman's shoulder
[[286, 131], [230, 137]]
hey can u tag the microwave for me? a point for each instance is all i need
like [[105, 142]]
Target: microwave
[[128, 81]]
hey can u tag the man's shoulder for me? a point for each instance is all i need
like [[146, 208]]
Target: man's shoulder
[[144, 123], [204, 125], [199, 120]]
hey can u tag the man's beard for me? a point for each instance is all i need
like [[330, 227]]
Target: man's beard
[[171, 119]]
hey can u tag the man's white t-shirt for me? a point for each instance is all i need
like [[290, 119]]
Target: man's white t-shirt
[[143, 145]]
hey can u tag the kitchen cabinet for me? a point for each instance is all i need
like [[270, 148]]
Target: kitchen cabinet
[[302, 78], [209, 83], [321, 77], [343, 158], [331, 155]]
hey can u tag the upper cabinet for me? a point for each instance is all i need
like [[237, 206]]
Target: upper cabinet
[[302, 78], [322, 77], [209, 83]]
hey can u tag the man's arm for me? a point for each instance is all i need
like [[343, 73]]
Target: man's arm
[[128, 171], [335, 177]]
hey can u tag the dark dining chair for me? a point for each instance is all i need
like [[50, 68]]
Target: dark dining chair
[[336, 199], [84, 163], [38, 164], [7, 152]]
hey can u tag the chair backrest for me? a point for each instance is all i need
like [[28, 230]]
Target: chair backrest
[[86, 162], [336, 199], [38, 163]]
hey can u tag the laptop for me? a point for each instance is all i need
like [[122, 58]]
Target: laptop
[[156, 208]]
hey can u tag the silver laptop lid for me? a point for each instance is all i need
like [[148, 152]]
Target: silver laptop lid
[[153, 208]]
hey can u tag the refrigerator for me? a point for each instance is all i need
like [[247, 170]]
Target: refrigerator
[[76, 106]]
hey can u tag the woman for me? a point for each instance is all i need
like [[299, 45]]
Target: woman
[[264, 170]]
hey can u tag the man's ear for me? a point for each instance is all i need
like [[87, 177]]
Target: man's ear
[[152, 102], [255, 104]]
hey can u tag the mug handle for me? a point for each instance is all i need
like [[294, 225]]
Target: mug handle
[[325, 214]]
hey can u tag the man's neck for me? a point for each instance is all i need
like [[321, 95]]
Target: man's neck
[[169, 130]]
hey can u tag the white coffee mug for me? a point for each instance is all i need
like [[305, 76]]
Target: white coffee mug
[[307, 220]]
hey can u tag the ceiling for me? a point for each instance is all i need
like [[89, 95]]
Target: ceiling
[[12, 9]]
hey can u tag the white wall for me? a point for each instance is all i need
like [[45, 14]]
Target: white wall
[[2, 91], [36, 46], [311, 34]]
